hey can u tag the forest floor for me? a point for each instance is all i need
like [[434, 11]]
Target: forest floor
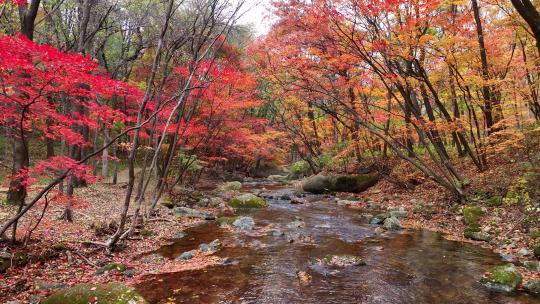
[[61, 254], [430, 207]]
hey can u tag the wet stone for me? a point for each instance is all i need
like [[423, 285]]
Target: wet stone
[[188, 255]]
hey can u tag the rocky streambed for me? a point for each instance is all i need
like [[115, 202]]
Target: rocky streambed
[[312, 249]]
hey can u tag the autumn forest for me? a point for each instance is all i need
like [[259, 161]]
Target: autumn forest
[[287, 151]]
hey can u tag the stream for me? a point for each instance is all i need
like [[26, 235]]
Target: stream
[[411, 266]]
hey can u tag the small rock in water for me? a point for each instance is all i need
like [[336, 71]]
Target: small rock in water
[[244, 223], [298, 201], [392, 224], [285, 197], [188, 255], [204, 247], [180, 235], [509, 258], [215, 245], [278, 233], [296, 224], [378, 231], [303, 277], [227, 261], [339, 261], [378, 219]]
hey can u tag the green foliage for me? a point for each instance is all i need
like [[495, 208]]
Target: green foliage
[[299, 170], [517, 194], [190, 162], [534, 233], [494, 201]]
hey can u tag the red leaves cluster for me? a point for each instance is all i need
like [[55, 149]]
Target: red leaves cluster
[[45, 92]]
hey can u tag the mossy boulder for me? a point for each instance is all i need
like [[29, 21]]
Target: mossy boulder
[[319, 184], [477, 236], [472, 214], [494, 201], [96, 293], [392, 224], [247, 201], [354, 183], [504, 278]]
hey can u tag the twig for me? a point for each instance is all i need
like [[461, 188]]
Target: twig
[[85, 259]]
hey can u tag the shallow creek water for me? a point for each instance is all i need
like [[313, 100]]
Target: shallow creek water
[[412, 266]]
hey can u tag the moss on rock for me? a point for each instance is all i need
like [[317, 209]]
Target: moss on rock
[[246, 201], [503, 278], [96, 293], [472, 214], [354, 183]]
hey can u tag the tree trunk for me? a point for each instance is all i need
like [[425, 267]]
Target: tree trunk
[[492, 109]]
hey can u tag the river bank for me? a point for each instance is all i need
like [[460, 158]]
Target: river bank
[[71, 261]]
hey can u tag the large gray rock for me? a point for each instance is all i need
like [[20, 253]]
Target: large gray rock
[[319, 184], [192, 213], [244, 223], [392, 224]]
